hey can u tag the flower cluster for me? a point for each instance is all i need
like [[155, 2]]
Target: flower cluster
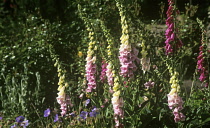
[[109, 74], [128, 54], [109, 64], [90, 66], [62, 85], [175, 102], [84, 114], [47, 112], [171, 33], [94, 112], [20, 120], [103, 71], [127, 57], [61, 100], [117, 102], [201, 64]]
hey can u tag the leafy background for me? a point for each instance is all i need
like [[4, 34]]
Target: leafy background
[[34, 32]]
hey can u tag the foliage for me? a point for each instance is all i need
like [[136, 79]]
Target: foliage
[[43, 41]]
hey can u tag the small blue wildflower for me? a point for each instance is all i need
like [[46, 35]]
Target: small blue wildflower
[[94, 108], [24, 123], [20, 119], [1, 118], [83, 115], [94, 112], [56, 118], [47, 112], [87, 102]]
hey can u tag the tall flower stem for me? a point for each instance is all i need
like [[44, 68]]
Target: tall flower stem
[[90, 66], [202, 63], [128, 53], [61, 99], [175, 102], [172, 40], [113, 78]]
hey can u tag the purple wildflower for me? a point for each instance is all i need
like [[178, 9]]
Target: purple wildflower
[[83, 115], [56, 118], [24, 123], [20, 119], [47, 112], [1, 118], [72, 114], [94, 112], [87, 102]]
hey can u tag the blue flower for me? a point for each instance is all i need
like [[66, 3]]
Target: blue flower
[[20, 119], [87, 102], [56, 118], [24, 123], [83, 115], [94, 112], [47, 112], [1, 118]]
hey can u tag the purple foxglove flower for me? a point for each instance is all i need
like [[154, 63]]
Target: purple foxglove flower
[[175, 102], [103, 71], [90, 68], [20, 119], [170, 31], [47, 112], [127, 58], [201, 66]]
